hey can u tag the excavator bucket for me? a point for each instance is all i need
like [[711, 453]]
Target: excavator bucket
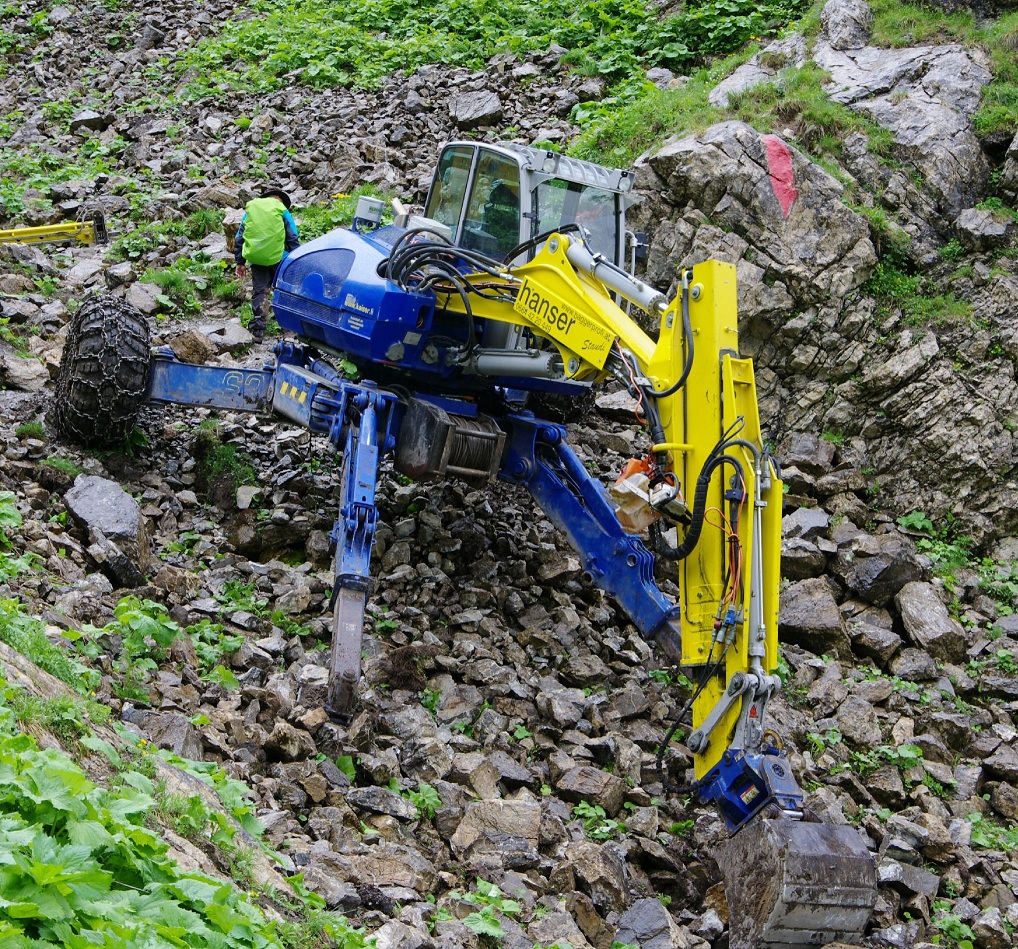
[[793, 883]]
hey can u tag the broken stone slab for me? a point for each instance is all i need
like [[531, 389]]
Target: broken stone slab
[[928, 623], [173, 731], [103, 506], [907, 878], [875, 568], [584, 783], [649, 925], [386, 865], [981, 230], [600, 871], [338, 894], [470, 110], [495, 820], [805, 522], [382, 801], [120, 568]]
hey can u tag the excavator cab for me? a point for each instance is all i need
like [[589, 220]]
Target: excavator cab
[[494, 198]]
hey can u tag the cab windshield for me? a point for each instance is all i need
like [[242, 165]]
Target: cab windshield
[[558, 202]]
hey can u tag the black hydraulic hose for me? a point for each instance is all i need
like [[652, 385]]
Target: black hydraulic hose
[[687, 338], [533, 242], [692, 537]]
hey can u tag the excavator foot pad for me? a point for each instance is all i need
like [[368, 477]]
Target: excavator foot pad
[[794, 883]]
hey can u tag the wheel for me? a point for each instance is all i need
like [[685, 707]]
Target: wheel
[[103, 373]]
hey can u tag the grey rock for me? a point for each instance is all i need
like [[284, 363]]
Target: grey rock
[[990, 930], [981, 230], [1003, 764], [816, 245], [907, 878], [858, 722], [397, 935], [386, 865], [763, 67], [103, 506], [874, 642], [809, 617], [22, 373], [470, 110], [287, 743], [928, 624], [924, 96], [381, 801], [145, 297], [584, 783], [649, 925], [914, 665], [846, 24], [492, 822], [805, 522], [600, 871], [173, 731], [875, 568], [337, 893], [801, 560]]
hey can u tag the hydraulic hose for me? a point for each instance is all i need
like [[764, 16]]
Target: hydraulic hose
[[692, 537], [687, 337]]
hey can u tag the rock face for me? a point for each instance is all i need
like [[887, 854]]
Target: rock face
[[836, 360]]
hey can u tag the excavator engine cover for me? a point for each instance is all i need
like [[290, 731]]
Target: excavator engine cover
[[793, 883]]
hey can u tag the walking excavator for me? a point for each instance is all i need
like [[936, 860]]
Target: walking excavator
[[515, 285]]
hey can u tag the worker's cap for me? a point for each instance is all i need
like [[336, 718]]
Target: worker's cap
[[277, 193]]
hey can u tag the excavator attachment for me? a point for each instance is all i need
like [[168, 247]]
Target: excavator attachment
[[791, 883]]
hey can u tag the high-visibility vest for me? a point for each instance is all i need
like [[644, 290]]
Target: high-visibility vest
[[264, 231]]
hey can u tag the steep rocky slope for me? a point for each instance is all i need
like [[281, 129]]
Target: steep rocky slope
[[495, 677]]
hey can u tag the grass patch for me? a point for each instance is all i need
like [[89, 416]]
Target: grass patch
[[895, 289]]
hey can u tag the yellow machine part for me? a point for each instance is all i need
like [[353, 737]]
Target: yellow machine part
[[91, 231], [577, 314]]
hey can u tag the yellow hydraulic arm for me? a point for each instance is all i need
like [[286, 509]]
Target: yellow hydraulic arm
[[728, 581], [91, 230]]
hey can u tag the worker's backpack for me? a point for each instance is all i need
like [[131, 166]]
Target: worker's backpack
[[264, 231]]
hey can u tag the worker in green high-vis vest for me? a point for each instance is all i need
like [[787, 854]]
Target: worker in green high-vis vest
[[267, 234]]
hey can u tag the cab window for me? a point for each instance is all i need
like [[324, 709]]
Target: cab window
[[492, 223], [445, 201]]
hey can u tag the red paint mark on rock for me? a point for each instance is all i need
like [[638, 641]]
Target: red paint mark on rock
[[779, 163]]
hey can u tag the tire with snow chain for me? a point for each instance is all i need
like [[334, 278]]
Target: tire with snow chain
[[103, 373]]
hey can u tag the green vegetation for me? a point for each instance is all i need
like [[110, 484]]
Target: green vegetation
[[143, 631], [596, 823], [31, 430], [27, 635], [897, 290], [300, 40], [219, 468], [81, 868], [313, 220], [486, 920], [189, 280]]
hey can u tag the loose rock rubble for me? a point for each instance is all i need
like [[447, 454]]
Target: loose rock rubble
[[493, 672]]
